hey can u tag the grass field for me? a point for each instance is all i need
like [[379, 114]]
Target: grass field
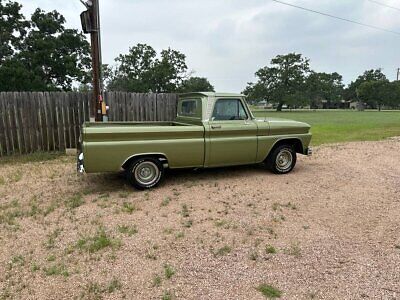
[[343, 126]]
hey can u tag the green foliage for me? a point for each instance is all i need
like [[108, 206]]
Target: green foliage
[[196, 84], [40, 54], [269, 292], [282, 82], [98, 242], [74, 201], [168, 271], [324, 86], [142, 71], [13, 28], [369, 75], [378, 93]]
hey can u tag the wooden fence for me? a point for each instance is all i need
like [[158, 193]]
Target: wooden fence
[[51, 121]]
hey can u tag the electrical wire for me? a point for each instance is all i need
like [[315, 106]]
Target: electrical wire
[[336, 17], [384, 5]]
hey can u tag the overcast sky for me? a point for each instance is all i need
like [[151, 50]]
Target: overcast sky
[[228, 40]]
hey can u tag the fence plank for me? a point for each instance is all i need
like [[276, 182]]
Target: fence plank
[[52, 121]]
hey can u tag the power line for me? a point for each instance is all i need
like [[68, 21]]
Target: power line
[[338, 18], [384, 5]]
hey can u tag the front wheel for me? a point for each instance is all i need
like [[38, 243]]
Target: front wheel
[[282, 159], [145, 173]]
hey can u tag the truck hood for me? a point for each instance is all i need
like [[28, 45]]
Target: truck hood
[[283, 126]]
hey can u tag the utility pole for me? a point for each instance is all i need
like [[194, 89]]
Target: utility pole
[[91, 24]]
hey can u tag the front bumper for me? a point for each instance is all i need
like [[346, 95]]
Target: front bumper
[[309, 151], [80, 164]]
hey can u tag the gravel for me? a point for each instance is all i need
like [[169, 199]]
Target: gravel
[[334, 223]]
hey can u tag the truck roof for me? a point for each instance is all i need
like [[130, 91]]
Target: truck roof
[[211, 94]]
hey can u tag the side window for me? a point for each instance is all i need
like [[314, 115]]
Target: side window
[[229, 109], [188, 108]]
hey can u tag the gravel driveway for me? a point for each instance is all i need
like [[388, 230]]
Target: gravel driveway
[[329, 230]]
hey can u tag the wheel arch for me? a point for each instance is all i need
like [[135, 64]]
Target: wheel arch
[[161, 156], [295, 142]]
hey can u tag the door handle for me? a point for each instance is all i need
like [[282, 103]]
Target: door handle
[[216, 126]]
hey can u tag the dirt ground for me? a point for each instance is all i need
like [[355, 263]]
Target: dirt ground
[[334, 225]]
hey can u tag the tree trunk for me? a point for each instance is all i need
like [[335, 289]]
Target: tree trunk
[[279, 108]]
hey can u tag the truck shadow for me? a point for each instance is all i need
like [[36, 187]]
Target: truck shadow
[[111, 182]]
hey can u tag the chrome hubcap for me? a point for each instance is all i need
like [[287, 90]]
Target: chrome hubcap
[[284, 160], [147, 173]]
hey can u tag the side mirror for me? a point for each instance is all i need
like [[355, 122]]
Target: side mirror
[[86, 20]]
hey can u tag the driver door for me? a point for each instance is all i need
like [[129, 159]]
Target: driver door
[[232, 135]]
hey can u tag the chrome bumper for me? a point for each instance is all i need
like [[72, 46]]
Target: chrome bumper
[[309, 151]]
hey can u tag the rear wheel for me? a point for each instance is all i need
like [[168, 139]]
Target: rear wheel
[[145, 173], [282, 159]]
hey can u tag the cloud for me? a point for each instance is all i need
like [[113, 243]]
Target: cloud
[[228, 40]]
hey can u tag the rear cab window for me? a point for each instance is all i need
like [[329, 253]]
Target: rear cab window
[[190, 108]]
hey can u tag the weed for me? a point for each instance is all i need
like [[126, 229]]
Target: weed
[[52, 207], [151, 255], [220, 223], [275, 206], [114, 285], [167, 295], [187, 223], [93, 291], [2, 180], [56, 270], [15, 177], [157, 280], [270, 249], [34, 267], [123, 195], [52, 238], [253, 255], [168, 230], [269, 292], [128, 230], [185, 211], [74, 201], [18, 260], [98, 242], [168, 271], [128, 207], [223, 251], [51, 258], [294, 250], [166, 201], [180, 235]]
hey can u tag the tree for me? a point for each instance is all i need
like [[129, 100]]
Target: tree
[[141, 71], [283, 82], [375, 93], [370, 75], [48, 56], [324, 86], [13, 28], [196, 84]]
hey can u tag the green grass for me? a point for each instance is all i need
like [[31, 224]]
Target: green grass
[[98, 242], [343, 126], [34, 157], [269, 292]]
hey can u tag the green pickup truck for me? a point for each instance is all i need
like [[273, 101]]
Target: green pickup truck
[[210, 130]]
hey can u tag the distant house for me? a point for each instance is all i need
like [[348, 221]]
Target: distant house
[[357, 105], [264, 105]]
